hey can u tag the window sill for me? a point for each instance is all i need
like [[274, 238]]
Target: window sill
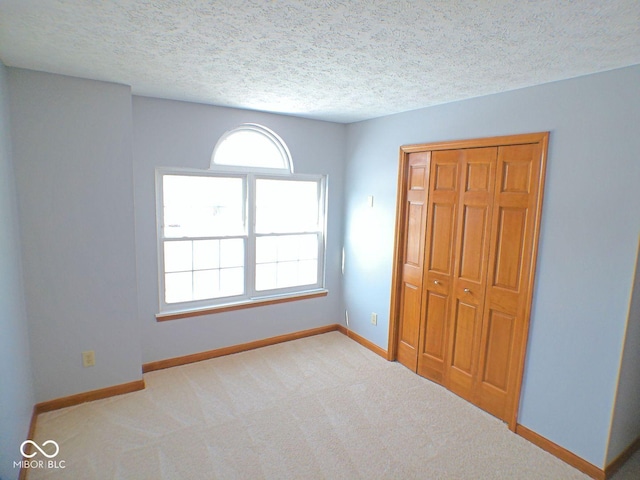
[[228, 307]]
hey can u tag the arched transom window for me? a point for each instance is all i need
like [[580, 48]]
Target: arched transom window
[[247, 231], [253, 146]]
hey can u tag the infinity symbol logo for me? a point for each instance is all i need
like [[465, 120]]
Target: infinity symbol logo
[[39, 448]]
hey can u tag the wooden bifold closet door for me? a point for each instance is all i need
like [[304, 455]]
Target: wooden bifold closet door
[[466, 242]]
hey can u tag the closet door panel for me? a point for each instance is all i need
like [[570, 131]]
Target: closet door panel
[[413, 259], [461, 365], [468, 221], [508, 284], [410, 325], [440, 237], [437, 308], [474, 225], [463, 338], [512, 222], [442, 221], [500, 329], [470, 267]]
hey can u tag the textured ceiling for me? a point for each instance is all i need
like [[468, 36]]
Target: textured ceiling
[[338, 60]]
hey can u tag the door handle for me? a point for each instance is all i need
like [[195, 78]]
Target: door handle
[[436, 282], [466, 290]]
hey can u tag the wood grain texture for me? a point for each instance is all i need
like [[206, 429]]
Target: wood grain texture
[[363, 341], [398, 255], [439, 258], [543, 139], [470, 259], [79, 398], [243, 347], [475, 143], [560, 452], [484, 202], [412, 244]]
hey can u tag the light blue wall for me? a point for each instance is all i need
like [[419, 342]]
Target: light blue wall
[[179, 134], [588, 242], [16, 378], [625, 427], [72, 153]]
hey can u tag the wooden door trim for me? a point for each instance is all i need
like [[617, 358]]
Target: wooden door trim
[[543, 139], [544, 144], [475, 143], [398, 255]]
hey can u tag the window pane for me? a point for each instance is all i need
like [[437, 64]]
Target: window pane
[[206, 284], [232, 252], [287, 274], [266, 276], [266, 249], [178, 287], [193, 269], [177, 256], [308, 272], [206, 254], [202, 206], [295, 262], [286, 206], [231, 281], [308, 247], [249, 148], [288, 247]]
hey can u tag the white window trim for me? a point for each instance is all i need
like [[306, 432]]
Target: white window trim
[[251, 296]]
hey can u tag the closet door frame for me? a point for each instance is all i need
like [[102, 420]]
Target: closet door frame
[[541, 138]]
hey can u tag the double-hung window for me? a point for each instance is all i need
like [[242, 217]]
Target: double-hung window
[[242, 232]]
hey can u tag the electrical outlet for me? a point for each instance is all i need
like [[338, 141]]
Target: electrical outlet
[[374, 319], [88, 358]]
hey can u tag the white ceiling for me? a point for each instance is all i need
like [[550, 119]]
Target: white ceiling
[[337, 60]]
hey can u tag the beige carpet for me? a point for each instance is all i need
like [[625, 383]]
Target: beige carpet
[[317, 408]]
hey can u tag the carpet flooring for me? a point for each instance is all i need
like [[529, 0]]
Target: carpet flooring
[[321, 407]]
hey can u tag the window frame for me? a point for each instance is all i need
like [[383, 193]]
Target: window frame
[[251, 296], [321, 232]]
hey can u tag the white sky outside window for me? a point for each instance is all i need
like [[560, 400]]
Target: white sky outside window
[[284, 206], [202, 206], [286, 261], [202, 269], [197, 206], [249, 148]]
